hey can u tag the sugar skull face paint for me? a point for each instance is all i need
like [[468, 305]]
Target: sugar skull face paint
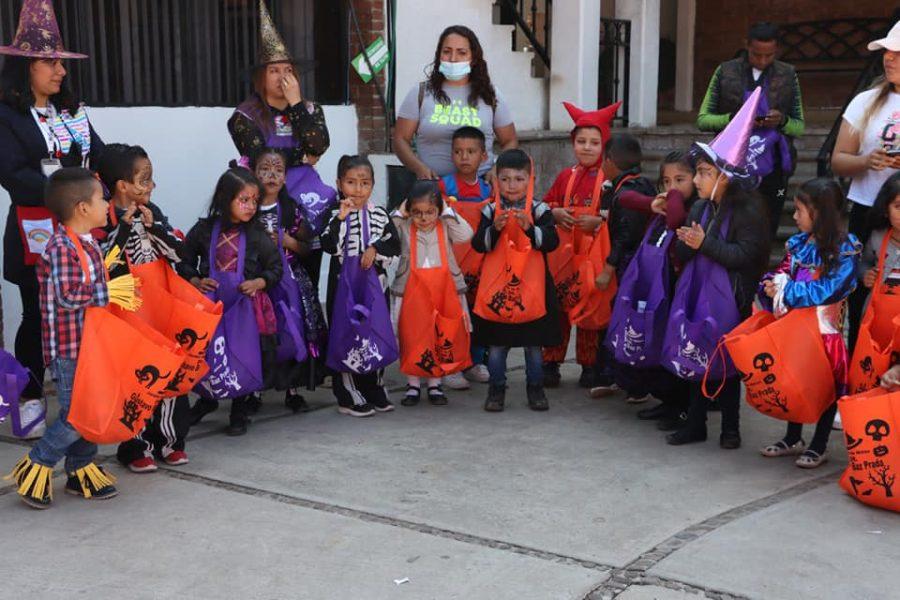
[[270, 170]]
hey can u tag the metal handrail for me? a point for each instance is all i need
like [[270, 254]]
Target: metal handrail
[[540, 49]]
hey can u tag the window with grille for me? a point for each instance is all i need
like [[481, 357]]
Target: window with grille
[[187, 52]]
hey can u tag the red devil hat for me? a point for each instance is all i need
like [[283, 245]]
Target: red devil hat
[[601, 119]]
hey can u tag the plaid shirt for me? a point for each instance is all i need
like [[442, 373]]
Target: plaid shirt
[[65, 295]]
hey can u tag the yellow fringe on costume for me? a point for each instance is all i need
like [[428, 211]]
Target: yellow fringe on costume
[[123, 291], [112, 257], [97, 478], [32, 479]]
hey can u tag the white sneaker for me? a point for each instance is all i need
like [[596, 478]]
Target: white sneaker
[[603, 390], [837, 425], [30, 412], [456, 382], [477, 374]]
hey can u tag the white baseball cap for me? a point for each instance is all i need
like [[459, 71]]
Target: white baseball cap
[[891, 42]]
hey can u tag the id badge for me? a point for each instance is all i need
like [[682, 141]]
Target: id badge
[[49, 166]]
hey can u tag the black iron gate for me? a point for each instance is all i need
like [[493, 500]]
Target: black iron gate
[[615, 65]]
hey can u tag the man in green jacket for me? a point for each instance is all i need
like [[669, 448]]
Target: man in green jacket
[[730, 84]]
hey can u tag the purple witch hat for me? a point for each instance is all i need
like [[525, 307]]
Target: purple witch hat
[[728, 151], [38, 33]]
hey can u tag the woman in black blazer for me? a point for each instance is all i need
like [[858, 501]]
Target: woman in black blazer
[[42, 128]]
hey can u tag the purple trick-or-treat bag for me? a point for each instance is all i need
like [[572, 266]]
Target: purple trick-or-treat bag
[[703, 310], [361, 339], [638, 323], [13, 379], [233, 356], [288, 311]]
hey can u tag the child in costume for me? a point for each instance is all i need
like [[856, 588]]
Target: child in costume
[[140, 230], [279, 213], [677, 195], [75, 197], [470, 190], [573, 197], [622, 167], [233, 211], [358, 394], [514, 213], [819, 269], [423, 212], [884, 220], [726, 227]]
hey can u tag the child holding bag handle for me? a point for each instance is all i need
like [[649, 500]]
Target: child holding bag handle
[[362, 241], [819, 269], [229, 255], [429, 282]]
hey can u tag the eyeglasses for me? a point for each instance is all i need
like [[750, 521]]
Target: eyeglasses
[[420, 214]]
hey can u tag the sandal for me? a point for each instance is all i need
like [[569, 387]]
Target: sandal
[[810, 459], [781, 448], [411, 398], [436, 396]]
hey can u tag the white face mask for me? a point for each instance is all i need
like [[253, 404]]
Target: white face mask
[[455, 71]]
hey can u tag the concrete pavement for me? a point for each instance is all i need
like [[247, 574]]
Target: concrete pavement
[[581, 502]]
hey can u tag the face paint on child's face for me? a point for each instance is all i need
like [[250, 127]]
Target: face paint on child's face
[[588, 146], [513, 183], [803, 216], [424, 213], [468, 155], [356, 185], [708, 180], [243, 207], [894, 214], [676, 177], [270, 172], [141, 186]]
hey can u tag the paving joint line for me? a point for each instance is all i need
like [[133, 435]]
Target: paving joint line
[[635, 572], [372, 517]]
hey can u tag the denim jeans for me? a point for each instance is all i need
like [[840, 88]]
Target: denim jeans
[[61, 439], [534, 362]]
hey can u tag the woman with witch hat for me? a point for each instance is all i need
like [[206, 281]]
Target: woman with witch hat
[[42, 128], [276, 115]]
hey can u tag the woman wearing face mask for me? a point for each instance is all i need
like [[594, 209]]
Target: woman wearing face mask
[[457, 93]]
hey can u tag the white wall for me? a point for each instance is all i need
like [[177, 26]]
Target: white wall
[[420, 23], [189, 147], [642, 93]]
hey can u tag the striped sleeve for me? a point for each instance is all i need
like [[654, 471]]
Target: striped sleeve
[[707, 118]]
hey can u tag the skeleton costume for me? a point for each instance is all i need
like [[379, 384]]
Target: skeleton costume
[[353, 389]]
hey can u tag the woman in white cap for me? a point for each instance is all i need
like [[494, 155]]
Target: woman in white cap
[[868, 150]]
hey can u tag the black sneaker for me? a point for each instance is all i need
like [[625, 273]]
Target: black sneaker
[[552, 377], [586, 380], [295, 402], [537, 400], [237, 426], [412, 395], [356, 410], [496, 397], [672, 423], [201, 408], [91, 482], [686, 435], [253, 403], [436, 396], [381, 404], [730, 440], [659, 411]]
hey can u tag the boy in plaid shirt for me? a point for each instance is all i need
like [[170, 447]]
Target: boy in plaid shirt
[[75, 197]]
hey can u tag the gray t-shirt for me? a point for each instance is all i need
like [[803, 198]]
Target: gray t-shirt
[[437, 122]]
